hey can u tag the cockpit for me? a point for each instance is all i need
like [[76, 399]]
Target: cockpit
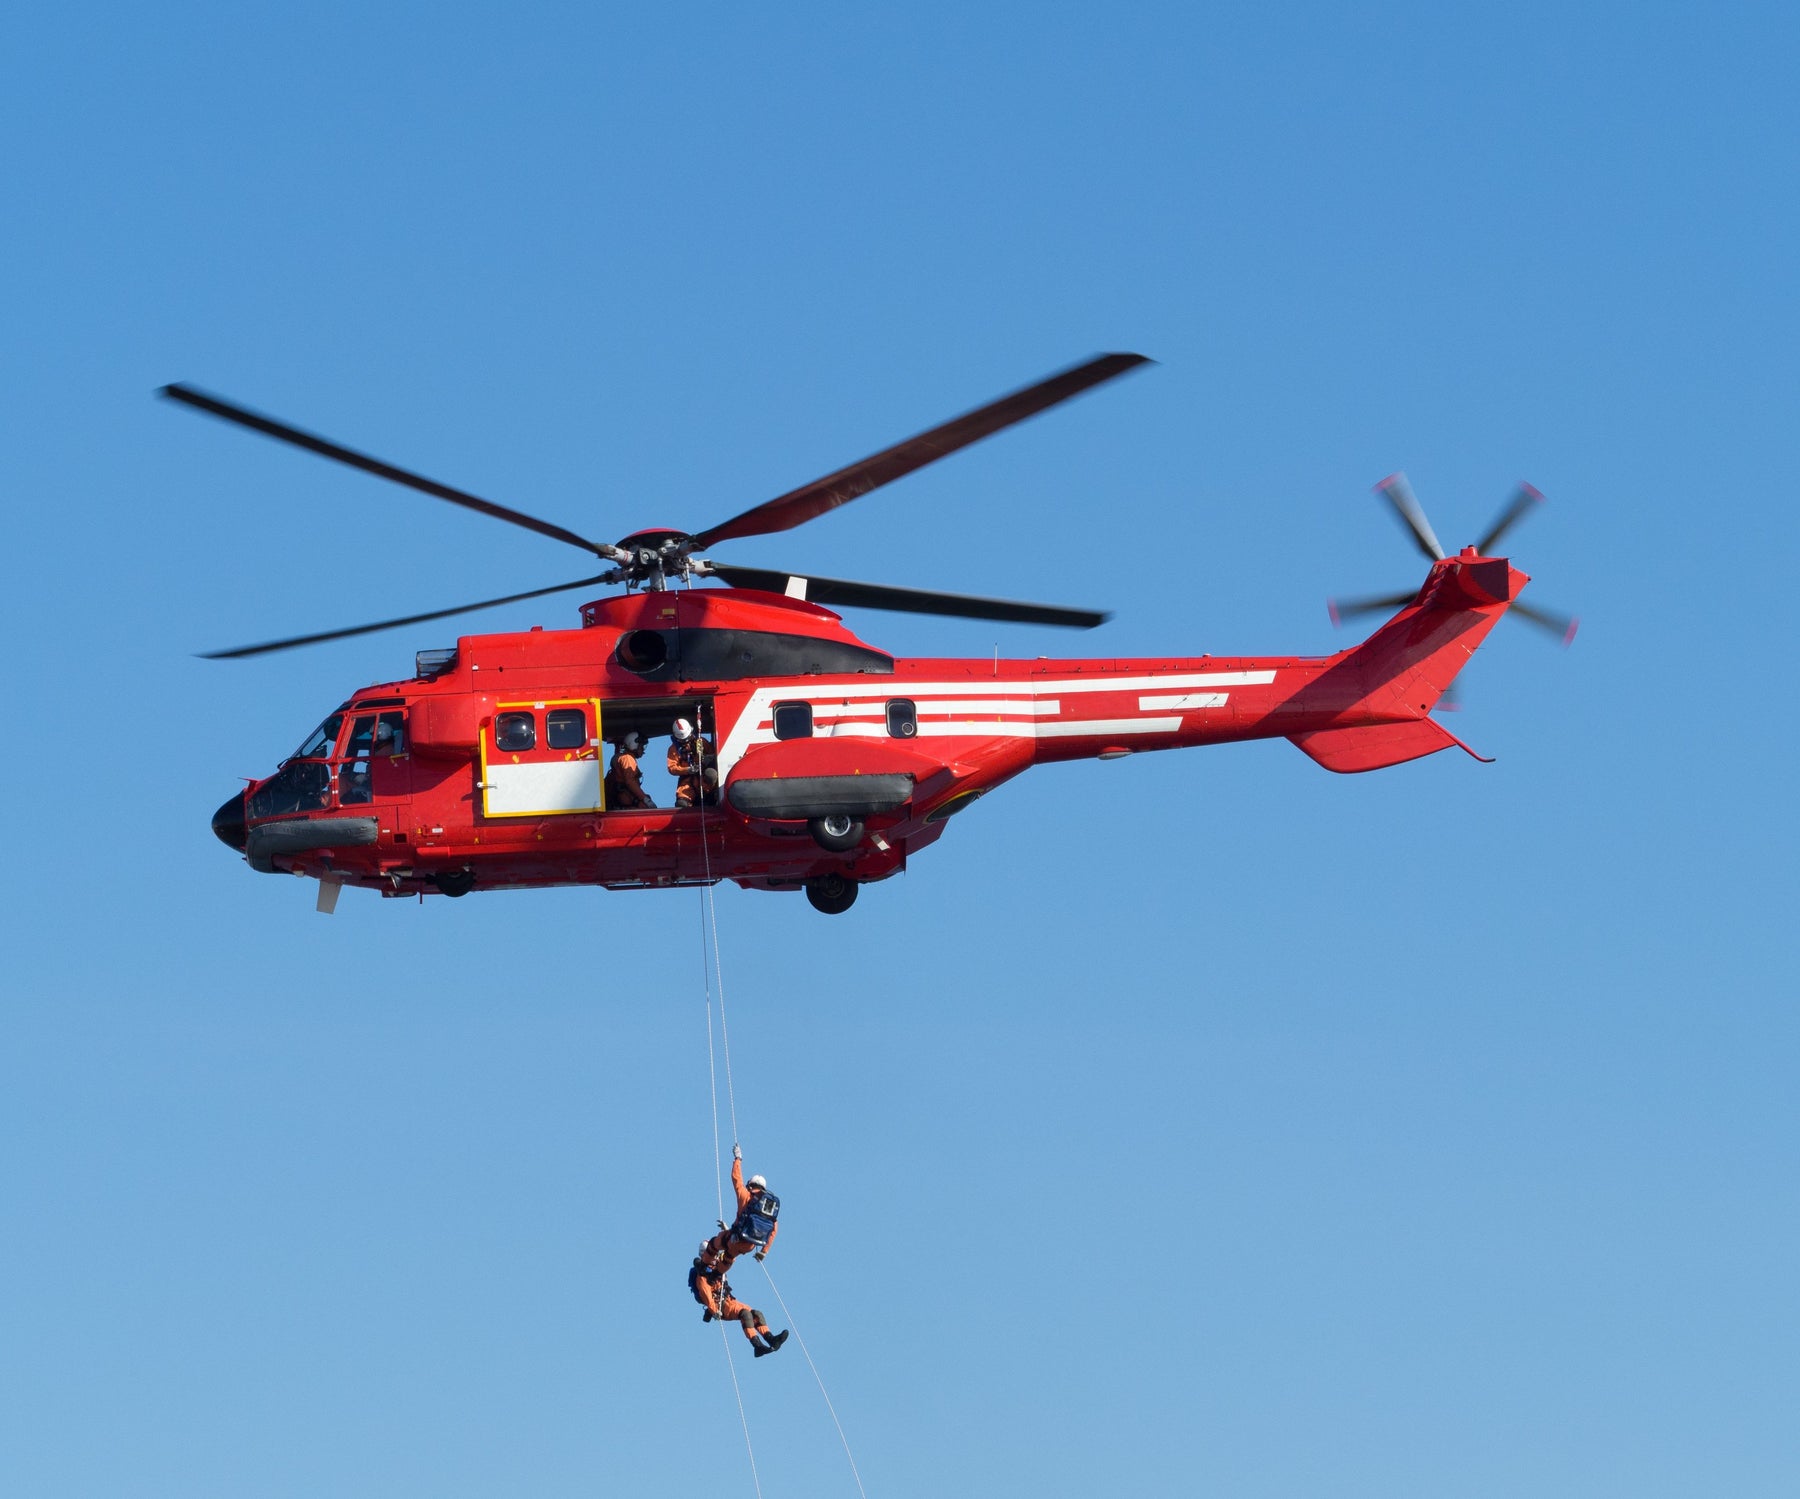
[[334, 764]]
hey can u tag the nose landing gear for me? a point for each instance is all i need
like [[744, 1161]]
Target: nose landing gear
[[831, 893]]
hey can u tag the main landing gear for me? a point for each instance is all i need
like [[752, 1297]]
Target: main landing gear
[[837, 832], [831, 893], [454, 881]]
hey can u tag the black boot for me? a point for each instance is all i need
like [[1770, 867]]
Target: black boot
[[775, 1339], [760, 1347]]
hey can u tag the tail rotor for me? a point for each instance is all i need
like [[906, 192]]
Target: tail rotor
[[1399, 494]]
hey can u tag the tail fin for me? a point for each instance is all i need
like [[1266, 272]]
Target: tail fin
[[1387, 685], [1416, 655]]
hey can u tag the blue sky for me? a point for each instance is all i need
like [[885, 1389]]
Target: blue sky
[[1197, 1123]]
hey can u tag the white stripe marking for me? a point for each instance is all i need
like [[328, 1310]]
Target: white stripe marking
[[1183, 701]]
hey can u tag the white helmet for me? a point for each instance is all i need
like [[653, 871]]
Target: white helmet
[[632, 743], [758, 1183], [682, 730]]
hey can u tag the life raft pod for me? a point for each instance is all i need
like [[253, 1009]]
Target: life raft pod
[[799, 779], [298, 835]]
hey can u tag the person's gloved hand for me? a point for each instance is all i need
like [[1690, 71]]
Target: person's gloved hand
[[736, 1153]]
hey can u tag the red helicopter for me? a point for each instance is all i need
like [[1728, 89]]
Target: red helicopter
[[816, 762]]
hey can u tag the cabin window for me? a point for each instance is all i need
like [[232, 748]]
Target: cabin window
[[515, 732], [902, 718], [793, 721], [318, 743], [566, 728]]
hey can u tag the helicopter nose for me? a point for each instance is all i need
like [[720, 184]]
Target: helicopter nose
[[228, 823]]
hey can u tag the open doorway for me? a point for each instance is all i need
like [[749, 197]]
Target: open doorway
[[653, 720]]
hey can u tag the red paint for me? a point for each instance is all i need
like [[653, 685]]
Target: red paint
[[1359, 709]]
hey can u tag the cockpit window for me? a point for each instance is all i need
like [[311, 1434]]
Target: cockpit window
[[299, 786], [515, 731], [317, 745], [390, 734], [362, 735]]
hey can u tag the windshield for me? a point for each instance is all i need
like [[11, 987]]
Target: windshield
[[317, 745]]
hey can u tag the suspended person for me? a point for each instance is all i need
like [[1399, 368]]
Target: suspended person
[[695, 766], [710, 1288], [625, 777], [754, 1228]]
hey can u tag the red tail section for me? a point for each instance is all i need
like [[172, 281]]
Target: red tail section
[[1399, 672]]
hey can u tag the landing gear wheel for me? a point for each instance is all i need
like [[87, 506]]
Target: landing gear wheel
[[831, 893], [836, 833], [454, 882]]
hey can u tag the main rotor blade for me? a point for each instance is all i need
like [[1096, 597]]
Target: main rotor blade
[[835, 591], [269, 427], [1563, 625], [1343, 609], [1398, 493], [812, 500], [389, 624], [1524, 498]]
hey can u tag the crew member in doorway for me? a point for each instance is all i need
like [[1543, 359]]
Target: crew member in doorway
[[754, 1228], [707, 1281], [624, 777], [695, 766]]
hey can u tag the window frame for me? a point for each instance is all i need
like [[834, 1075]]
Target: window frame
[[530, 717], [550, 717], [910, 719], [789, 706]]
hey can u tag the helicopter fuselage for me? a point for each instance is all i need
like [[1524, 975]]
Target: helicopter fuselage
[[831, 762]]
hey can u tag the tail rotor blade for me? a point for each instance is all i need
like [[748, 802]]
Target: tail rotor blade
[[1562, 625], [1524, 499], [1398, 493], [1343, 609]]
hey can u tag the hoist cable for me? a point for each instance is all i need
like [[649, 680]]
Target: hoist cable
[[712, 1072], [795, 1328], [731, 1364], [712, 917], [709, 968]]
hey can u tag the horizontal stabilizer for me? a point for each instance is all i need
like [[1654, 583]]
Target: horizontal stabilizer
[[1376, 746]]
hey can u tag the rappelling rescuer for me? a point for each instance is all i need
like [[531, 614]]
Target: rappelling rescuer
[[707, 1281], [754, 1228], [695, 765]]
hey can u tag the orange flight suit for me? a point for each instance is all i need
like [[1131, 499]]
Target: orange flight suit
[[686, 762], [724, 1244], [625, 784]]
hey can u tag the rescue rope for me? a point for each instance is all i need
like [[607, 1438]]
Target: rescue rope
[[709, 967], [794, 1327], [711, 908], [731, 1364], [712, 1071], [711, 970]]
